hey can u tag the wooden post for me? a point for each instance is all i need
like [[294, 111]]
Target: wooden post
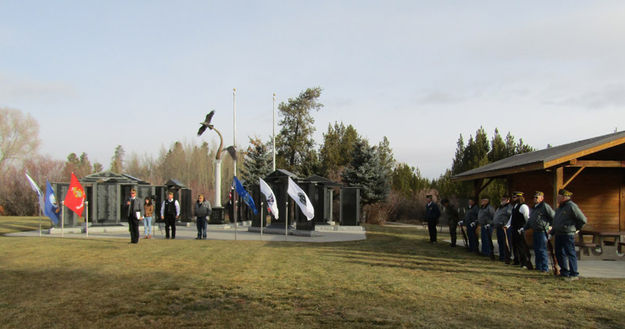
[[558, 182]]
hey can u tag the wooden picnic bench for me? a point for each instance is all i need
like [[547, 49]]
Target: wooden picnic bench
[[600, 239]]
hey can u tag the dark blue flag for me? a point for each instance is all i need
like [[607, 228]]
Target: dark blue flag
[[246, 197], [51, 208]]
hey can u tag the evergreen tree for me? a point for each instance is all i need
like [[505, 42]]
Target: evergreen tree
[[408, 181], [335, 152], [257, 162], [117, 161], [366, 171]]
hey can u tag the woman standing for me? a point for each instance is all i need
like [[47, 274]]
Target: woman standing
[[202, 210], [147, 218]]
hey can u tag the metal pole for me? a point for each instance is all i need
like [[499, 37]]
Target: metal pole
[[235, 217], [40, 219], [234, 124], [274, 131], [286, 222], [87, 218], [261, 221], [62, 217]]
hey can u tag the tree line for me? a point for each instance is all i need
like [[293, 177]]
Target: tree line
[[389, 190]]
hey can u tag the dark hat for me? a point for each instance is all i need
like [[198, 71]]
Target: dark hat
[[564, 192], [539, 193], [445, 201], [517, 193], [429, 196]]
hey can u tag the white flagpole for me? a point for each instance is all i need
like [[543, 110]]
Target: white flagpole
[[235, 216], [62, 217], [286, 222], [274, 131], [40, 219], [87, 218], [234, 124], [261, 221]]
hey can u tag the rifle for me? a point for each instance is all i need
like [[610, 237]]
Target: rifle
[[554, 260], [464, 237], [508, 251]]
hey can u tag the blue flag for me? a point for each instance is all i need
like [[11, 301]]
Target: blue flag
[[247, 198], [51, 208]]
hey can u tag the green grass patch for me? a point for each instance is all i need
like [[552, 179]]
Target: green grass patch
[[394, 279], [12, 224]]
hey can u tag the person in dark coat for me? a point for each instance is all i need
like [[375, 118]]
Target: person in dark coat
[[485, 220], [451, 214], [134, 215], [470, 222], [202, 211], [502, 216], [541, 217], [567, 220], [432, 213], [170, 211], [518, 218]]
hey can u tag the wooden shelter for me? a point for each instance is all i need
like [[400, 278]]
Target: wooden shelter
[[593, 169]]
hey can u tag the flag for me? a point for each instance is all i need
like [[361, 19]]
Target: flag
[[301, 199], [247, 198], [75, 197], [35, 188], [271, 198], [51, 208]]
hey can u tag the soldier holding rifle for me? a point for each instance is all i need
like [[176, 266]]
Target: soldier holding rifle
[[485, 219], [502, 215], [470, 222], [567, 220], [520, 214], [541, 217], [450, 212]]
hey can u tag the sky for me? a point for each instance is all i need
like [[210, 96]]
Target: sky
[[143, 74]]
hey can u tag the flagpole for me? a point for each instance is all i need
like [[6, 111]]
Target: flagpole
[[87, 218], [235, 217], [274, 131], [234, 144], [261, 220], [286, 222], [62, 217]]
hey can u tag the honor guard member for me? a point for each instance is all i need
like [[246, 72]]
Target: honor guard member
[[450, 212], [485, 219], [432, 213], [518, 218], [170, 211], [541, 217], [567, 220], [470, 222], [502, 215]]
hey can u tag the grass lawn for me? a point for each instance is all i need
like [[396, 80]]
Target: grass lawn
[[394, 279]]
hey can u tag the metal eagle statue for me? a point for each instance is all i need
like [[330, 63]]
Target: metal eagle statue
[[206, 123]]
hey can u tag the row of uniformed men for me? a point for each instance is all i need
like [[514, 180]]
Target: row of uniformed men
[[511, 218]]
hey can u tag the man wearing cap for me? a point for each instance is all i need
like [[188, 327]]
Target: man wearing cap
[[469, 221], [518, 218], [567, 220], [432, 213], [451, 214], [502, 215], [541, 217], [485, 219]]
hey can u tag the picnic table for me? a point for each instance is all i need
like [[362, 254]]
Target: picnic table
[[601, 240]]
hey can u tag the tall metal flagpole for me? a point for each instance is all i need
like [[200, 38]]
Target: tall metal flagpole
[[62, 217], [286, 222], [234, 144], [274, 131], [87, 218], [261, 221]]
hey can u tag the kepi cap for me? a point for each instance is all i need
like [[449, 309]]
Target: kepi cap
[[564, 192]]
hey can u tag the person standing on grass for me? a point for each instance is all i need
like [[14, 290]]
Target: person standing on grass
[[432, 213], [170, 211], [147, 218], [485, 219], [566, 222], [518, 218], [134, 215], [541, 217], [450, 212], [202, 211], [469, 221], [502, 215]]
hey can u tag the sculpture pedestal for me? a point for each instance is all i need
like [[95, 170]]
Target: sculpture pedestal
[[217, 216]]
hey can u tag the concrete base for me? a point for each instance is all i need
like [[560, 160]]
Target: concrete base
[[338, 228], [280, 231]]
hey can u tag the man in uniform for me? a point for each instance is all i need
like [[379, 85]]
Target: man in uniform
[[518, 218], [450, 212], [134, 214], [502, 215], [541, 217], [485, 219], [170, 211], [432, 213], [469, 221], [567, 220]]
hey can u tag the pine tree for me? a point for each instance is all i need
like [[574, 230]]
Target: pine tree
[[257, 163], [366, 171]]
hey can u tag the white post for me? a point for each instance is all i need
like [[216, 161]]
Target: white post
[[62, 217], [217, 182], [87, 218], [261, 221], [274, 131], [234, 124], [235, 216], [286, 222]]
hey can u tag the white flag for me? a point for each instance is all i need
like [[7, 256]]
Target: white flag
[[35, 188], [271, 198], [301, 199]]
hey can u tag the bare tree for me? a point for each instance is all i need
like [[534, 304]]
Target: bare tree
[[19, 136]]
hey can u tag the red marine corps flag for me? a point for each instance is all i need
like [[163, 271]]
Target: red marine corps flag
[[75, 197]]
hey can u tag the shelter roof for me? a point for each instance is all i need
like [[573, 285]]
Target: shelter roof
[[174, 183], [545, 158], [111, 177]]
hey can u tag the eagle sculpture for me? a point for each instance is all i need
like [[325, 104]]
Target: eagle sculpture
[[206, 123]]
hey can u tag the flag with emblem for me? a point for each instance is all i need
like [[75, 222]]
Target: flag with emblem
[[246, 197], [75, 197], [266, 190], [51, 208], [301, 199]]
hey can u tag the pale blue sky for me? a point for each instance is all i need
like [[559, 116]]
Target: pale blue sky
[[143, 73]]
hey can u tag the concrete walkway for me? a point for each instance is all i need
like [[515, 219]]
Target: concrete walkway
[[219, 232], [609, 269]]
